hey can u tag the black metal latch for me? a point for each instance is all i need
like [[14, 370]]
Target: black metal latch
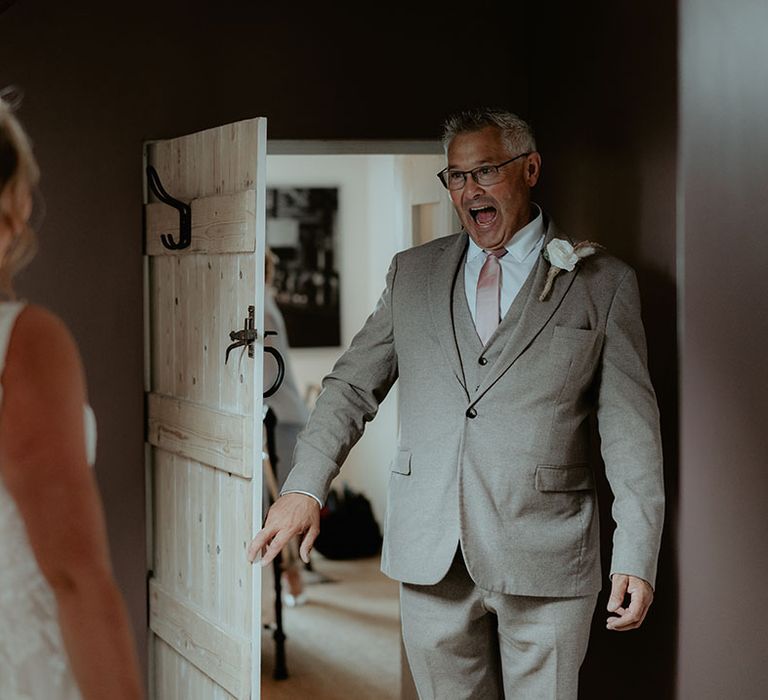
[[246, 337]]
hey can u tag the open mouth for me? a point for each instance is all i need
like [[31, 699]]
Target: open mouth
[[483, 215]]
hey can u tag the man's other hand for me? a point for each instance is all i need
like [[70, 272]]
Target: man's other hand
[[640, 598], [291, 515]]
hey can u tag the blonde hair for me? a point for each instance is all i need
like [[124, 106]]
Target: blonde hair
[[19, 175]]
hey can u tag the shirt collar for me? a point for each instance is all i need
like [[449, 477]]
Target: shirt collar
[[522, 243]]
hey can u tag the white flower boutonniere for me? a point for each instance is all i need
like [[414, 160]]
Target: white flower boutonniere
[[561, 255]]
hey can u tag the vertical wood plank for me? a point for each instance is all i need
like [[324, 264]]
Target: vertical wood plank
[[209, 325], [163, 515], [243, 570], [183, 525], [178, 344], [197, 534], [163, 324], [228, 543], [194, 313], [210, 577], [169, 676], [231, 320]]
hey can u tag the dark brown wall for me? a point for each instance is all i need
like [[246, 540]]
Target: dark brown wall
[[98, 83], [724, 440], [603, 91]]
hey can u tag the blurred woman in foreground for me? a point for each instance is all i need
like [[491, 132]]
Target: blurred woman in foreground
[[64, 631]]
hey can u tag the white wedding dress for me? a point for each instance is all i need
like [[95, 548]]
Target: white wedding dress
[[33, 662]]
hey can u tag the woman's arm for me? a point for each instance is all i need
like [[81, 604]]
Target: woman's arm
[[43, 464]]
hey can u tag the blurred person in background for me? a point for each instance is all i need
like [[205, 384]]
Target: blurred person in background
[[291, 413]]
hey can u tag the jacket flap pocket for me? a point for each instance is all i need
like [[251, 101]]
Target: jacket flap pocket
[[582, 335], [402, 464], [577, 477]]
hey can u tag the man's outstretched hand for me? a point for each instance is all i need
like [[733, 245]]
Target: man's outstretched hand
[[640, 596], [292, 514]]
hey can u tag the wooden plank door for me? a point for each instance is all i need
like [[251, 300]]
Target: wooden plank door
[[204, 422]]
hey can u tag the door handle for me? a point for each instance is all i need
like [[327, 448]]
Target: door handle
[[245, 337], [280, 367]]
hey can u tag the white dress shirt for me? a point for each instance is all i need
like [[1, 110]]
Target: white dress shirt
[[516, 265]]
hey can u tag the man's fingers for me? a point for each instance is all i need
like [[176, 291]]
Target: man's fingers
[[306, 543], [641, 596], [259, 542], [618, 591], [275, 547], [266, 537], [628, 618], [291, 515], [627, 621]]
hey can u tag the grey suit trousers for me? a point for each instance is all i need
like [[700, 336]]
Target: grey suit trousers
[[463, 642]]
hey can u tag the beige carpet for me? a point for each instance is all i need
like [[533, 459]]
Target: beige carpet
[[344, 642]]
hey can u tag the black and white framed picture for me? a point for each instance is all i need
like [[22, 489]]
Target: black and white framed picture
[[301, 232]]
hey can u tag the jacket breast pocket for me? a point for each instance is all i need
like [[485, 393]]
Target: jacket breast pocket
[[402, 463], [573, 340], [576, 477], [578, 350]]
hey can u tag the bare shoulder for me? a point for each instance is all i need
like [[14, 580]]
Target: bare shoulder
[[36, 324], [43, 381], [41, 350], [41, 416]]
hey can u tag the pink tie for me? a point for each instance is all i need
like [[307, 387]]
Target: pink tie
[[487, 315]]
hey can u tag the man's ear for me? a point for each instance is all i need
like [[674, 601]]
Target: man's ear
[[532, 168]]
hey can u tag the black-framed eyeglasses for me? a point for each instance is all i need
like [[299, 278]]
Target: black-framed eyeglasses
[[482, 175]]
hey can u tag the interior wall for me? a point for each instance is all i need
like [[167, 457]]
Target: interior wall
[[603, 92], [100, 79], [722, 218]]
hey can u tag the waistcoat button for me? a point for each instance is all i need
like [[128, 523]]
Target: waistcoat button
[[471, 413], [483, 361]]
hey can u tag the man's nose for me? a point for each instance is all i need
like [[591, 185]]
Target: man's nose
[[472, 189]]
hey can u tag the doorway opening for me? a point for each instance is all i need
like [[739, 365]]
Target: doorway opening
[[344, 640]]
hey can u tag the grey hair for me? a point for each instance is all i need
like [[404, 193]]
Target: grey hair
[[517, 134]]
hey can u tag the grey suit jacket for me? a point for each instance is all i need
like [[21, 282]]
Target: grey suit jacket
[[503, 468]]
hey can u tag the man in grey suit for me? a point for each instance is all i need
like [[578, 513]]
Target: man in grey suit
[[505, 337]]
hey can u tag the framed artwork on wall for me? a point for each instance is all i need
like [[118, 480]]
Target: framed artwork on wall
[[301, 232]]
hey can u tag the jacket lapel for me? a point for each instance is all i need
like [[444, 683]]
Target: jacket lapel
[[442, 277], [528, 322]]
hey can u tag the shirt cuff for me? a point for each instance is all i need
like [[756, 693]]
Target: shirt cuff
[[306, 493]]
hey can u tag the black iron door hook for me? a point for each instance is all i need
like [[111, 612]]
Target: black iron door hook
[[185, 212]]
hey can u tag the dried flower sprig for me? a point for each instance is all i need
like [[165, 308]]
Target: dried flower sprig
[[561, 255]]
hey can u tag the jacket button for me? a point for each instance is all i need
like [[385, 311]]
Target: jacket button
[[471, 413], [483, 361]]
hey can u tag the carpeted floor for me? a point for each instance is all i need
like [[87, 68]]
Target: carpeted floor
[[344, 642]]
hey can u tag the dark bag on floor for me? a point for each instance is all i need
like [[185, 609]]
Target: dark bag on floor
[[348, 529]]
